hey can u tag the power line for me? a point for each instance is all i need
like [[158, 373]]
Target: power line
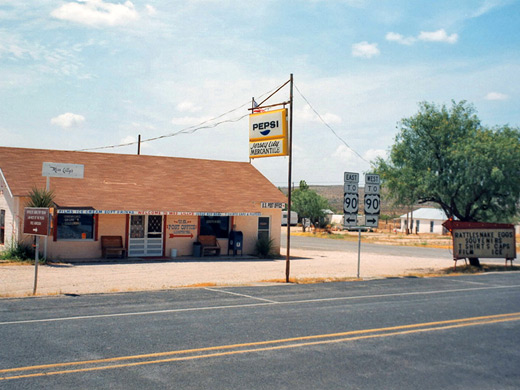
[[187, 130], [331, 129], [190, 129]]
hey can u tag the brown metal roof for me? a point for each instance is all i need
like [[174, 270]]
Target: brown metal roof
[[142, 183]]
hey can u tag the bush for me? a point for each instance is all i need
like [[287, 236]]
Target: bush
[[264, 248], [18, 251]]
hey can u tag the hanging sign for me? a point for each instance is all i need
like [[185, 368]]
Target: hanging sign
[[268, 134], [268, 125]]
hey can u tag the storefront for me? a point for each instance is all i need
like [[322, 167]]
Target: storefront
[[157, 205]]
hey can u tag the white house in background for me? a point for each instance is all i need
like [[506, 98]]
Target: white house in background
[[425, 220]]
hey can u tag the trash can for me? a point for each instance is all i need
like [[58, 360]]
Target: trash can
[[173, 253], [197, 249]]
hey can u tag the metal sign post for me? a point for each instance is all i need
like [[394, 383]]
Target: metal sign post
[[372, 205], [273, 134], [351, 206], [36, 222]]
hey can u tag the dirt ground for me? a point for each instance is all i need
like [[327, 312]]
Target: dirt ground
[[305, 266], [58, 279]]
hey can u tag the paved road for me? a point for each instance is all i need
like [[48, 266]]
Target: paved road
[[316, 243], [438, 333]]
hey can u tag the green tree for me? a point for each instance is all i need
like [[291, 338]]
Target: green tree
[[308, 204], [445, 156]]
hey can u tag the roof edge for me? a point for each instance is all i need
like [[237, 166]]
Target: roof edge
[[124, 154], [6, 183]]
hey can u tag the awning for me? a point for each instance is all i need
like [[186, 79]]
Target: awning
[[150, 212]]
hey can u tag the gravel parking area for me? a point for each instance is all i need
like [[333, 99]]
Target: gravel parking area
[[307, 265]]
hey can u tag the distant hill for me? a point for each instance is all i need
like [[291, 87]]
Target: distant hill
[[334, 195]]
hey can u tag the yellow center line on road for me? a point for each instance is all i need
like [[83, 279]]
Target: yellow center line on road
[[296, 342]]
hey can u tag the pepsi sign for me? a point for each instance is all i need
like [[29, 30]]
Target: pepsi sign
[[268, 125]]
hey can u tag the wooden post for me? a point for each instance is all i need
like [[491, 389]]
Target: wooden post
[[36, 261], [288, 258]]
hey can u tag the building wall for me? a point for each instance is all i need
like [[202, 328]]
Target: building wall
[[108, 225], [180, 232], [7, 204], [13, 216], [424, 226], [185, 226]]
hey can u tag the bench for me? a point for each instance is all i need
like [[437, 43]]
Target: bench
[[209, 244], [112, 245]]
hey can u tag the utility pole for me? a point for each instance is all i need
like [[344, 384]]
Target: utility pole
[[288, 258]]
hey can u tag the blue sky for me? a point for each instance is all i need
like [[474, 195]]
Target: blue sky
[[85, 74]]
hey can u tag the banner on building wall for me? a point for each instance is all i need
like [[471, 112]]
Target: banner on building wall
[[151, 212], [182, 227], [268, 134]]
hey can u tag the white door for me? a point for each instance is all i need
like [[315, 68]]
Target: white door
[[146, 235]]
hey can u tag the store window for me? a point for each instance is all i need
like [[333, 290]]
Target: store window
[[2, 227], [263, 227], [214, 226], [75, 227]]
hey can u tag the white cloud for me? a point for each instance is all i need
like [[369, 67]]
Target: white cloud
[[395, 37], [365, 49], [372, 154], [438, 36], [496, 96], [97, 13], [308, 115], [188, 120], [150, 9], [433, 36], [128, 140], [187, 106], [344, 154], [68, 120]]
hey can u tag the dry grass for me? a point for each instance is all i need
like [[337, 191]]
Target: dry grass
[[469, 269], [209, 284]]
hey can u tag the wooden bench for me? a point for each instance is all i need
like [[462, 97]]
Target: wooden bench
[[209, 244], [112, 245]]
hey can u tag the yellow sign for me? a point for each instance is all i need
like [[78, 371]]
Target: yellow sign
[[271, 148], [268, 134]]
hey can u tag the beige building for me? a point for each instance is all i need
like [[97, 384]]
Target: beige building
[[159, 206]]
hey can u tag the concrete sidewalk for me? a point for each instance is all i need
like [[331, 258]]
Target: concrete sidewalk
[[74, 278]]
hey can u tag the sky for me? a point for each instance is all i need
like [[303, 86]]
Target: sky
[[94, 74]]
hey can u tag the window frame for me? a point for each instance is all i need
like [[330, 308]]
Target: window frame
[[206, 228], [261, 231], [81, 218], [2, 227]]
